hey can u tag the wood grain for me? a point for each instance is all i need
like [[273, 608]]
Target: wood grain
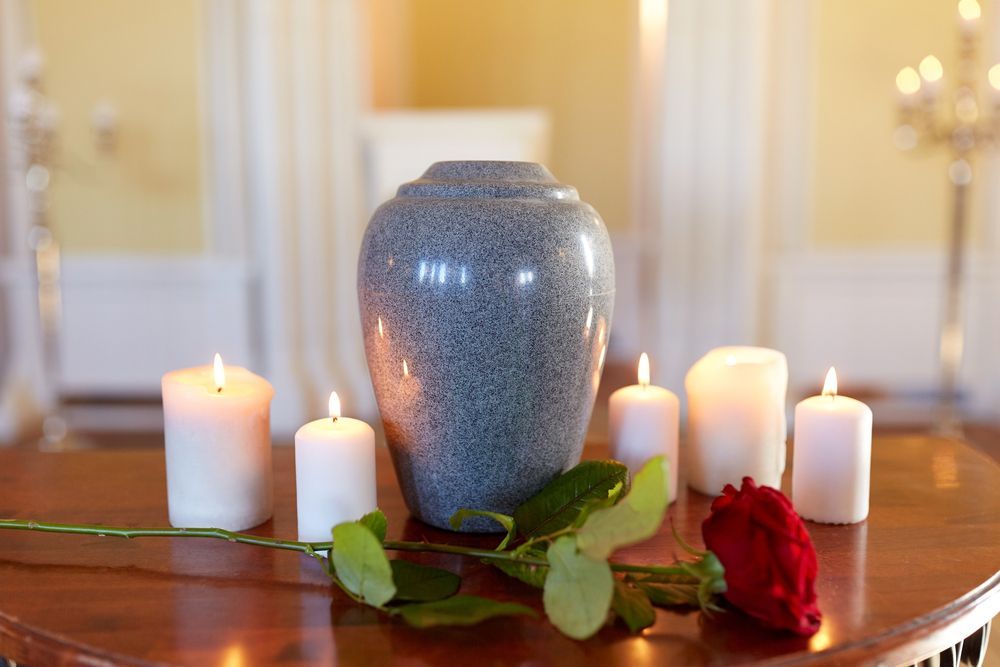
[[921, 573]]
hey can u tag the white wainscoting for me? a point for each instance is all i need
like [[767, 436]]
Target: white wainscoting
[[876, 316], [127, 320]]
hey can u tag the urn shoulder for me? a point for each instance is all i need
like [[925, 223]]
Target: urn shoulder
[[477, 225]]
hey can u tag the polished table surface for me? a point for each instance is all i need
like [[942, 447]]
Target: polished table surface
[[921, 573]]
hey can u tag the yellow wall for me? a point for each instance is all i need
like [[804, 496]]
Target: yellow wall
[[571, 57], [143, 58], [388, 33], [867, 193]]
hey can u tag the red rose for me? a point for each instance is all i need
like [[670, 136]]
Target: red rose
[[769, 559]]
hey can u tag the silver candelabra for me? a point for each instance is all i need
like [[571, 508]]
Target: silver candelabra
[[933, 118], [33, 122]]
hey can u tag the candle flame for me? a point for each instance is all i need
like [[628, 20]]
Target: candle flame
[[644, 369], [830, 385], [381, 332], [931, 69], [908, 81], [969, 10], [406, 369], [219, 372], [334, 406]]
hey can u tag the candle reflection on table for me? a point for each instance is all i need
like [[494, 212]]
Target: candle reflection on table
[[316, 624], [844, 550], [233, 656], [945, 469], [821, 640], [219, 583]]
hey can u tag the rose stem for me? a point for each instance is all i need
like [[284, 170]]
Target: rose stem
[[292, 545]]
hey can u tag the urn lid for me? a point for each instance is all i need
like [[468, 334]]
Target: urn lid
[[465, 179]]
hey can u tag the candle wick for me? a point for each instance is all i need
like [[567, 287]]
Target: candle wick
[[334, 419], [218, 390]]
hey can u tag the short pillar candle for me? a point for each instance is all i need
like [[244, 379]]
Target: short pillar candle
[[736, 418], [643, 423], [334, 473], [217, 433], [831, 471]]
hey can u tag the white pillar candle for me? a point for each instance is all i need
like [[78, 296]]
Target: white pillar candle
[[831, 470], [334, 473], [643, 423], [216, 424], [736, 418]]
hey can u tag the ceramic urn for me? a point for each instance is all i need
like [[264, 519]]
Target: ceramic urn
[[486, 291]]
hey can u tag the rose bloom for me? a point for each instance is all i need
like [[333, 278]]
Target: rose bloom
[[769, 559]]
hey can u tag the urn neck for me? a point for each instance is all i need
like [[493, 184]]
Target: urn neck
[[476, 179]]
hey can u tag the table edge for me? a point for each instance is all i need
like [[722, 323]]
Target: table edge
[[911, 642], [900, 644], [28, 644]]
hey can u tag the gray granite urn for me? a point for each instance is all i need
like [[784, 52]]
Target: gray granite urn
[[486, 291]]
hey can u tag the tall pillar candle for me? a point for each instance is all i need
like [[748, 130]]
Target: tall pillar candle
[[218, 447], [643, 423], [831, 471], [334, 473], [736, 418]]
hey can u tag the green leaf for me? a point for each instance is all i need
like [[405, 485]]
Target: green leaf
[[663, 578], [360, 563], [634, 519], [614, 495], [561, 501], [503, 519], [709, 567], [578, 590], [376, 522], [533, 575], [460, 610], [690, 583], [633, 606], [671, 595], [421, 583], [713, 580]]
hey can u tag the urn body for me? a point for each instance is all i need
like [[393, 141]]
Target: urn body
[[486, 291]]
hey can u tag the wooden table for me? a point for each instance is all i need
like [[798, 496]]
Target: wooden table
[[919, 576]]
